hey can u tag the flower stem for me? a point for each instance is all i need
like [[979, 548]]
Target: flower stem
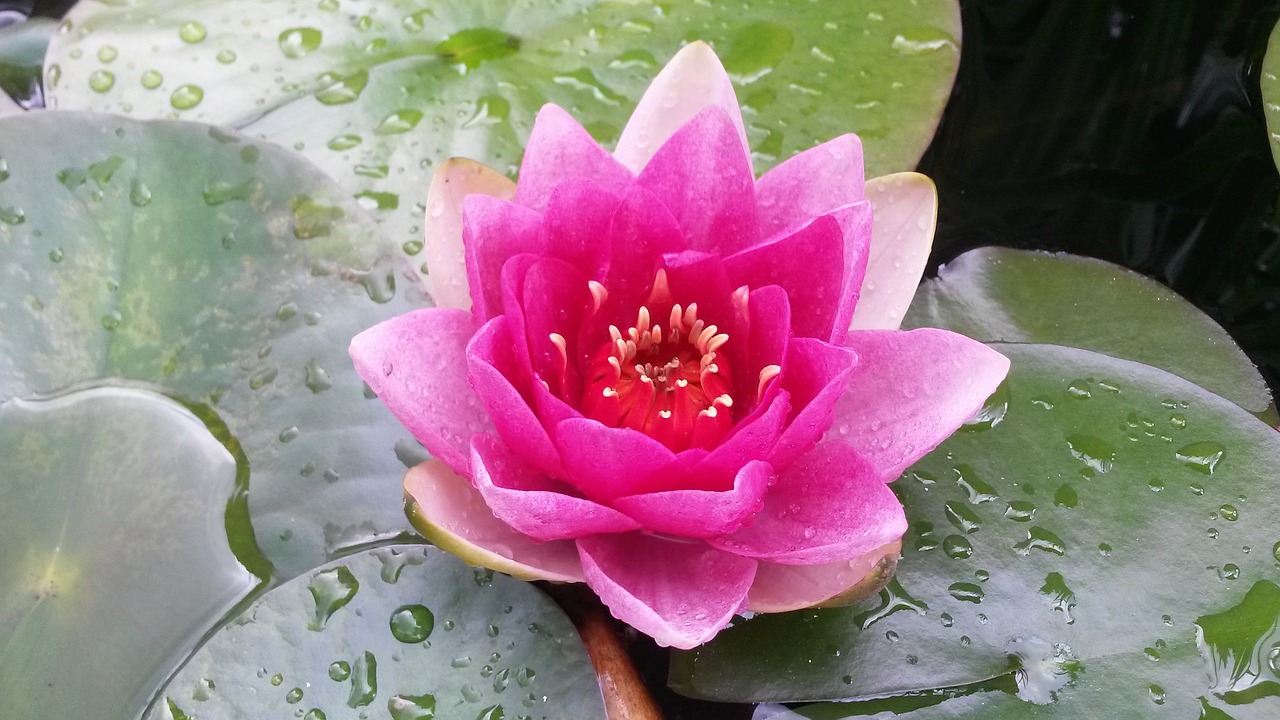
[[625, 696]]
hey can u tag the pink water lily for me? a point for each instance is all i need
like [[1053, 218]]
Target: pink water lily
[[641, 373]]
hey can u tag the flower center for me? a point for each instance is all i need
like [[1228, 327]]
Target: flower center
[[664, 376]]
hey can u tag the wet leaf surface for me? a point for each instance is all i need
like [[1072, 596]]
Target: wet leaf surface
[[379, 92], [1079, 537], [1005, 295], [406, 632]]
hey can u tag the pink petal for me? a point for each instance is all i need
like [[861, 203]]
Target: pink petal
[[906, 210], [816, 374], [576, 224], [814, 182], [679, 593], [770, 335], [752, 438], [705, 180], [607, 462], [642, 230], [493, 231], [442, 229], [449, 512], [783, 588], [491, 364], [701, 513], [534, 504], [554, 301], [417, 365], [559, 148], [819, 265], [693, 80], [911, 390], [829, 505]]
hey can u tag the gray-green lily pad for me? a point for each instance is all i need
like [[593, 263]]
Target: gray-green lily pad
[[405, 632], [114, 546], [1102, 508], [379, 92], [1003, 295], [1270, 85], [226, 273]]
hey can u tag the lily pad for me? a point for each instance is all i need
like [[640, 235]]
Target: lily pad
[[1270, 84], [1004, 295], [22, 49], [406, 632], [222, 272], [379, 92], [1096, 511], [115, 546]]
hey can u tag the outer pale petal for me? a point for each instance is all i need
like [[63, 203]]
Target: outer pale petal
[[417, 365], [814, 182], [679, 593], [911, 390], [701, 513], [559, 148], [906, 211], [450, 513], [693, 80], [783, 588], [534, 504], [707, 184], [442, 229], [829, 505]]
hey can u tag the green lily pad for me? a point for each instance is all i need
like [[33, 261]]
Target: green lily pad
[[115, 546], [222, 272], [1097, 510], [379, 92], [22, 49], [406, 632], [1004, 295], [1270, 84]]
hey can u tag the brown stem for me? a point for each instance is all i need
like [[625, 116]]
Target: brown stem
[[625, 696]]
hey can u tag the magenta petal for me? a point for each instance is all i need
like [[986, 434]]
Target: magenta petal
[[783, 588], [449, 512], [816, 375], [607, 462], [679, 593], [693, 80], [417, 365], [911, 390], [534, 504], [830, 504], [705, 180], [559, 148], [809, 264], [770, 335], [701, 513], [641, 231], [554, 301], [576, 224], [752, 438], [813, 183], [493, 231], [491, 366]]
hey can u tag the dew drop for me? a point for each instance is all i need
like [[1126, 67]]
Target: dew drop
[[1202, 457], [331, 589], [299, 42], [193, 32], [412, 707], [339, 670], [412, 623], [101, 80], [186, 97]]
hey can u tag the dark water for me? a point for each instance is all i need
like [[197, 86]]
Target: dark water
[[1128, 131]]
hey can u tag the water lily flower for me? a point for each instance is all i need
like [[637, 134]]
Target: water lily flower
[[641, 372]]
